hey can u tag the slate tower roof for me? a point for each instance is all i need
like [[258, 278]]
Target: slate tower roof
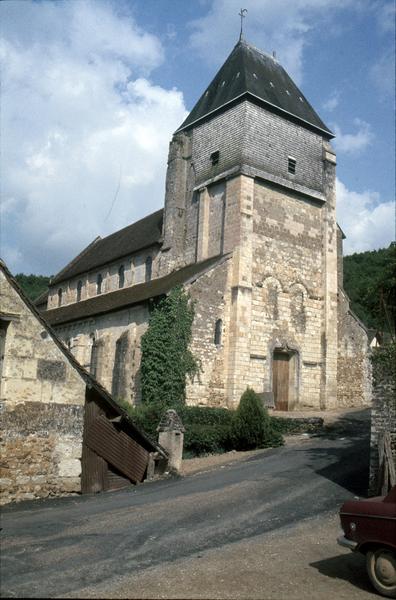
[[249, 73]]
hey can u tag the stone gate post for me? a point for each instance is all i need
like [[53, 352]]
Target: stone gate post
[[171, 438]]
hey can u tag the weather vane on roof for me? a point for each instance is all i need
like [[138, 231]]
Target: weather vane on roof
[[242, 15]]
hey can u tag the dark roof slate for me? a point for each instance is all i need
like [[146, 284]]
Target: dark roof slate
[[90, 381], [250, 73], [101, 251], [128, 296]]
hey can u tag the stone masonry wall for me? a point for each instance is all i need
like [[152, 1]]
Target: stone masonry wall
[[42, 400], [383, 418], [209, 293], [41, 450], [247, 137], [180, 179], [123, 326], [287, 306], [329, 334], [354, 369]]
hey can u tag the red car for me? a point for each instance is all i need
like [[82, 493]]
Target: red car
[[369, 527]]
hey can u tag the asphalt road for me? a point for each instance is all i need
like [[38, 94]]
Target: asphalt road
[[56, 547]]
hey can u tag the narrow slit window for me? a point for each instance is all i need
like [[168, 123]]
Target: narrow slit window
[[79, 290], [149, 268], [60, 294], [218, 332], [121, 276], [99, 282], [291, 165], [214, 157]]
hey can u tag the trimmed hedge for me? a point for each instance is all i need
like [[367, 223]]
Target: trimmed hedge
[[208, 429], [205, 415], [206, 439], [213, 430]]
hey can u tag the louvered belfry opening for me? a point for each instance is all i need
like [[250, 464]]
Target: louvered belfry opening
[[111, 457]]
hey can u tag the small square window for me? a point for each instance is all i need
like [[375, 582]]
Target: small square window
[[214, 157], [291, 165]]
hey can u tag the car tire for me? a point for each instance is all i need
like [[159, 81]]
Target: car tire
[[381, 568]]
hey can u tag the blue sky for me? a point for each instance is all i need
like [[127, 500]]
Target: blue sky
[[93, 90]]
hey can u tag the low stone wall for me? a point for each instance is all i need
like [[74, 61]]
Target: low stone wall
[[40, 450], [383, 418], [297, 425]]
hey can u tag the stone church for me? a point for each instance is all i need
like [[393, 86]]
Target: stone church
[[249, 229]]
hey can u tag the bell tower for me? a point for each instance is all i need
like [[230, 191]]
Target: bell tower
[[251, 174]]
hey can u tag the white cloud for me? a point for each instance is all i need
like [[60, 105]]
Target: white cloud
[[80, 117], [353, 143], [367, 223], [282, 26], [332, 102], [382, 74]]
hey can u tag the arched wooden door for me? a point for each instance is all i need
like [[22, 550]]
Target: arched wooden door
[[281, 379]]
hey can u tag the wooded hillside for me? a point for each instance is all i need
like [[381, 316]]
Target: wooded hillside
[[370, 282], [33, 285]]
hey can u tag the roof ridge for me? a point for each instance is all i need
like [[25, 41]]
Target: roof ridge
[[244, 67], [131, 224], [75, 259], [134, 237]]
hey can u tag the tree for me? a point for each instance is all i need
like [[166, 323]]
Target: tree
[[33, 285], [370, 282], [166, 358]]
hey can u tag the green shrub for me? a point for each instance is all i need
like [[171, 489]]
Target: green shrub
[[252, 427], [146, 416], [207, 429]]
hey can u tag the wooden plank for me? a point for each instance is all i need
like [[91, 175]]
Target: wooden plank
[[280, 378], [114, 479], [93, 473], [93, 467], [275, 381], [118, 449]]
